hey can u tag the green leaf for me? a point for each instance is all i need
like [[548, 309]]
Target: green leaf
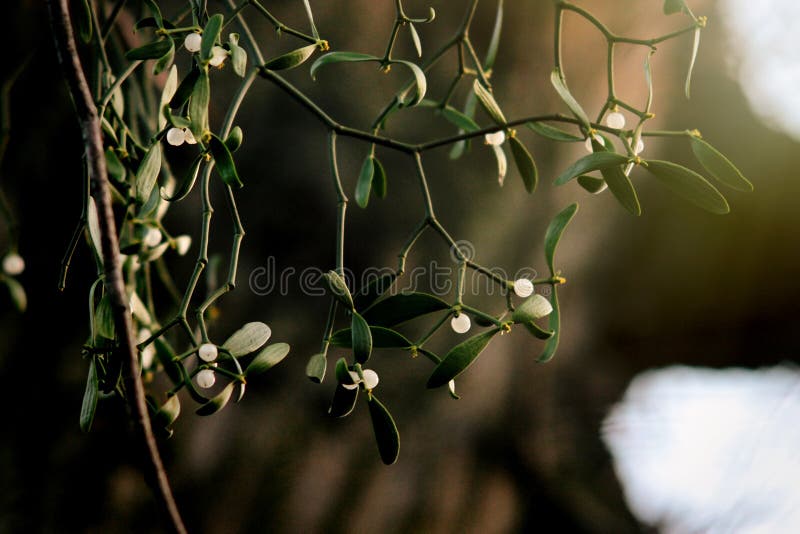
[[114, 166], [338, 288], [362, 338], [403, 307], [419, 80], [187, 183], [224, 162], [198, 104], [185, 88], [494, 42], [89, 404], [689, 185], [238, 55], [622, 188], [339, 57], [537, 331], [718, 165], [234, 139], [560, 85], [553, 234], [153, 50], [555, 325], [459, 358], [534, 307], [291, 59], [159, 18], [85, 22], [104, 319], [147, 174], [344, 400], [695, 47], [218, 402], [315, 368], [364, 184], [488, 102], [376, 287], [169, 411], [249, 338], [415, 38], [553, 133], [591, 183], [379, 179], [525, 164], [165, 61], [459, 119], [382, 338], [210, 36], [589, 163], [648, 78], [269, 356], [167, 93], [386, 435], [673, 6], [342, 371], [469, 111]]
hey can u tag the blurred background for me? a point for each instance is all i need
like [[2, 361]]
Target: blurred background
[[521, 450]]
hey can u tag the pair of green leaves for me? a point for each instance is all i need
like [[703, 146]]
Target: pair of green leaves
[[361, 336], [371, 178]]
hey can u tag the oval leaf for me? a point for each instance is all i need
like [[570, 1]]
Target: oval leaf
[[344, 400], [622, 188], [382, 338], [592, 184], [488, 102], [187, 183], [592, 162], [267, 358], [386, 435], [364, 184], [153, 50], [718, 165], [291, 59], [553, 234], [553, 133], [315, 368], [525, 164], [690, 185], [148, 171], [459, 358], [403, 307], [198, 104], [169, 411], [338, 288], [247, 339], [419, 79], [224, 162], [361, 338], [339, 57], [218, 402], [210, 36]]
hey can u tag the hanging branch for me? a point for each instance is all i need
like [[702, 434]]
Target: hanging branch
[[99, 189]]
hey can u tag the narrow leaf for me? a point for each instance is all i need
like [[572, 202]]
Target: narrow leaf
[[339, 57], [210, 36], [89, 404], [218, 402], [198, 104], [185, 88], [104, 319], [415, 38], [689, 185], [169, 411], [116, 169], [459, 358], [695, 48], [561, 88], [553, 234], [338, 288], [718, 165], [386, 435], [502, 163], [592, 162], [419, 80], [291, 59], [592, 184], [488, 102], [224, 162], [525, 164], [344, 400], [85, 22], [555, 325], [170, 87], [148, 171], [403, 307], [249, 338], [234, 139], [316, 366], [186, 184], [553, 133], [379, 182], [622, 188], [165, 61], [364, 184], [494, 42], [376, 287], [361, 338], [382, 338], [269, 356], [153, 50]]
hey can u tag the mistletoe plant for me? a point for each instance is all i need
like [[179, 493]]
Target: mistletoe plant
[[129, 124]]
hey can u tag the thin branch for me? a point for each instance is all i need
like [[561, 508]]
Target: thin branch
[[99, 187]]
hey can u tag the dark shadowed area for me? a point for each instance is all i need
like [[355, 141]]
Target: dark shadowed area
[[521, 449]]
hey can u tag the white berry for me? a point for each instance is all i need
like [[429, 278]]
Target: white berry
[[460, 323], [153, 237], [206, 378], [639, 147], [615, 120], [523, 288], [208, 352], [189, 137], [370, 378], [218, 55], [495, 138], [176, 136], [13, 264], [182, 244], [192, 42]]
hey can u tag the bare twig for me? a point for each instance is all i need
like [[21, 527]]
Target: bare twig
[[99, 189]]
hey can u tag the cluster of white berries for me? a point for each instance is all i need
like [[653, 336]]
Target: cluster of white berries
[[615, 120], [178, 136], [13, 264], [207, 352], [193, 42], [370, 379]]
